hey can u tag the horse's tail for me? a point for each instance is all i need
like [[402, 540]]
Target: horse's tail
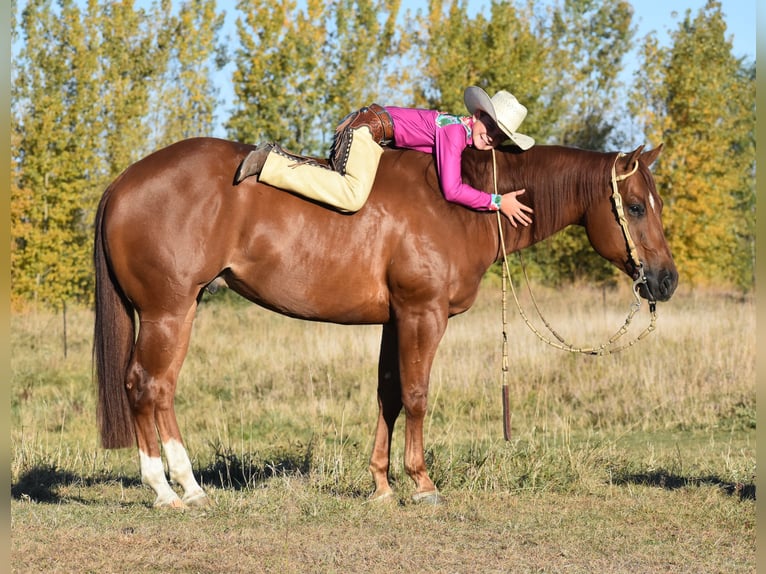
[[113, 340]]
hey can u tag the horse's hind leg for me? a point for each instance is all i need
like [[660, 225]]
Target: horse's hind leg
[[389, 407], [152, 377]]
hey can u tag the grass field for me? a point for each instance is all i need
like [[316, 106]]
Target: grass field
[[642, 461]]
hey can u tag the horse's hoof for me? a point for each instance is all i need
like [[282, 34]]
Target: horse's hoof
[[432, 498], [199, 500], [173, 504], [382, 498]]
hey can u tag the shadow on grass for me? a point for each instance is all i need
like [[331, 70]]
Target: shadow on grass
[[237, 472], [671, 481], [44, 483]]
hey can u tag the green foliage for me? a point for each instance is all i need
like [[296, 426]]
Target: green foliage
[[458, 51], [185, 99], [700, 101], [300, 70], [54, 90], [561, 63], [271, 80], [91, 83], [591, 39]]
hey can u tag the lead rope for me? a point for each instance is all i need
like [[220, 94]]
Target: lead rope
[[602, 349], [504, 371]]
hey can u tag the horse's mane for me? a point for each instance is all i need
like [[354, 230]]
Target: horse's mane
[[552, 176]]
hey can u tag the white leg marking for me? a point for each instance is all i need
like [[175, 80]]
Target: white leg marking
[[181, 471], [153, 475]]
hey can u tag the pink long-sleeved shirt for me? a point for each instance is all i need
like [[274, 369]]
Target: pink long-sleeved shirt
[[445, 136]]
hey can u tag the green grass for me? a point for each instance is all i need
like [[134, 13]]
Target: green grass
[[639, 461]]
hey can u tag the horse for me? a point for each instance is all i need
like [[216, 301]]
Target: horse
[[174, 222]]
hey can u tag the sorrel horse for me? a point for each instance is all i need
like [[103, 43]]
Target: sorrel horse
[[173, 222]]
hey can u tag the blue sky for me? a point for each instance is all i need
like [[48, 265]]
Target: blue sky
[[663, 16]]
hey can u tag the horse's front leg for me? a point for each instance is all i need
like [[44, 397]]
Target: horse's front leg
[[389, 407], [419, 336]]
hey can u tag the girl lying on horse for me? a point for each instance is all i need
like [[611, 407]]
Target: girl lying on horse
[[345, 182]]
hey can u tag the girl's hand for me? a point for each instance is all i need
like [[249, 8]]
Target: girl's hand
[[514, 210]]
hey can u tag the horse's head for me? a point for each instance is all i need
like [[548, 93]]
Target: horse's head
[[627, 230]]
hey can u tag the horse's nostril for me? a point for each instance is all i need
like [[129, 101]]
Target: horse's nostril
[[667, 285]]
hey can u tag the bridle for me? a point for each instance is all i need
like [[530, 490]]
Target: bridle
[[639, 277], [606, 348]]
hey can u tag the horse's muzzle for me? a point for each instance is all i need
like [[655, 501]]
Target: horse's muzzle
[[659, 285]]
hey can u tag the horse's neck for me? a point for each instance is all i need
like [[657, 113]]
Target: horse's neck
[[557, 187]]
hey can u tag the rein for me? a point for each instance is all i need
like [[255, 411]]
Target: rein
[[606, 348]]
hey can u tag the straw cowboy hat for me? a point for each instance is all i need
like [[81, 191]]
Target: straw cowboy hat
[[504, 109]]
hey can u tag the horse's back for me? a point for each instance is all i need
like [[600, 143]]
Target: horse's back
[[181, 211]]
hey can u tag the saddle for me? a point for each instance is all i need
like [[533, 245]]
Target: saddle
[[375, 117]]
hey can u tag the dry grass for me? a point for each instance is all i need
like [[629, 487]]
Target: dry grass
[[639, 461]]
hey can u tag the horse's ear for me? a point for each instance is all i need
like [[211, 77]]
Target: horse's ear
[[632, 157], [649, 157]]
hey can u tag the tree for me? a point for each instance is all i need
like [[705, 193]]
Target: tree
[[502, 52], [133, 58], [53, 92], [589, 39], [299, 71], [278, 72], [97, 84], [699, 99], [83, 82], [361, 43], [562, 63], [185, 99]]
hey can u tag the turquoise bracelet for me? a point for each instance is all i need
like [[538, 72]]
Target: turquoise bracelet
[[496, 199]]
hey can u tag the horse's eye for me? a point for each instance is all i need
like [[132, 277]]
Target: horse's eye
[[636, 210]]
